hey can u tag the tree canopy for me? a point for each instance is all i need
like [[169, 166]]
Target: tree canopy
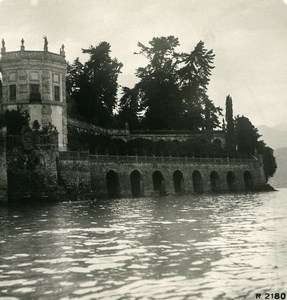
[[247, 138], [92, 87], [230, 128], [171, 93], [14, 120], [172, 87]]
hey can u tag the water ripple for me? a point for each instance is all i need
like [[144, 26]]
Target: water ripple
[[188, 247]]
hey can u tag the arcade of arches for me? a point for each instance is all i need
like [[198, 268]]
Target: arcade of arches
[[159, 182]]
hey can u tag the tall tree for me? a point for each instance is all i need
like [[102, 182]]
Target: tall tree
[[79, 94], [174, 86], [269, 161], [194, 75], [94, 86], [103, 74], [247, 135], [129, 108], [230, 128], [158, 83], [247, 140]]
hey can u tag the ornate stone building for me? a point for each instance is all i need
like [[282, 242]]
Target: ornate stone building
[[36, 81]]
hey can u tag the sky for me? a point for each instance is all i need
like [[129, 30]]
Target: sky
[[249, 40]]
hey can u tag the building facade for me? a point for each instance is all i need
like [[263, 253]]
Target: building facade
[[36, 81]]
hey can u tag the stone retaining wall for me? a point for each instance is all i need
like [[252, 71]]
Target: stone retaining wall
[[82, 172]]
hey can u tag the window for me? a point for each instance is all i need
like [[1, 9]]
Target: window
[[56, 93], [12, 76], [35, 95], [12, 92], [56, 78], [34, 76]]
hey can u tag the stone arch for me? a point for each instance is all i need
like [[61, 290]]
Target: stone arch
[[113, 184], [215, 182], [231, 181], [248, 180], [197, 182], [136, 183], [217, 143], [158, 182], [178, 181]]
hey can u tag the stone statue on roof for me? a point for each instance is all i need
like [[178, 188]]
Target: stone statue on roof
[[3, 49], [22, 44], [45, 43]]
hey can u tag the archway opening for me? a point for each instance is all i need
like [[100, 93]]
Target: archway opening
[[217, 143], [215, 182], [136, 183], [113, 184], [231, 182], [158, 182], [197, 182], [248, 181], [178, 181]]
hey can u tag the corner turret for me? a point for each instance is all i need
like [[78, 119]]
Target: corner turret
[[36, 82]]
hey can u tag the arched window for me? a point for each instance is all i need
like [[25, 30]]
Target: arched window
[[158, 182], [248, 181], [215, 182], [217, 143], [178, 181], [231, 182], [113, 184], [197, 182], [136, 183]]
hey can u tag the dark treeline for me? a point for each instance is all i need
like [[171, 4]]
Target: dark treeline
[[243, 138], [171, 92]]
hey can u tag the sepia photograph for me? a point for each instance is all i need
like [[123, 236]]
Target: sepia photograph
[[143, 149]]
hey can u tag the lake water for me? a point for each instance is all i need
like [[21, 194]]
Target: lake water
[[189, 247]]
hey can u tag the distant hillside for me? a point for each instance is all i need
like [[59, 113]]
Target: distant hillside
[[280, 178], [281, 127], [274, 137]]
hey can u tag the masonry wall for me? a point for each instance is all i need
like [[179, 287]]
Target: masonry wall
[[32, 172], [83, 174], [75, 176], [3, 168]]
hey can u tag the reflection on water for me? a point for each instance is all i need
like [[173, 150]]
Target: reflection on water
[[189, 247]]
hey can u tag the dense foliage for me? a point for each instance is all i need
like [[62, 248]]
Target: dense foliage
[[102, 144], [14, 120], [172, 88], [230, 129], [171, 93], [247, 138], [270, 165], [92, 87]]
